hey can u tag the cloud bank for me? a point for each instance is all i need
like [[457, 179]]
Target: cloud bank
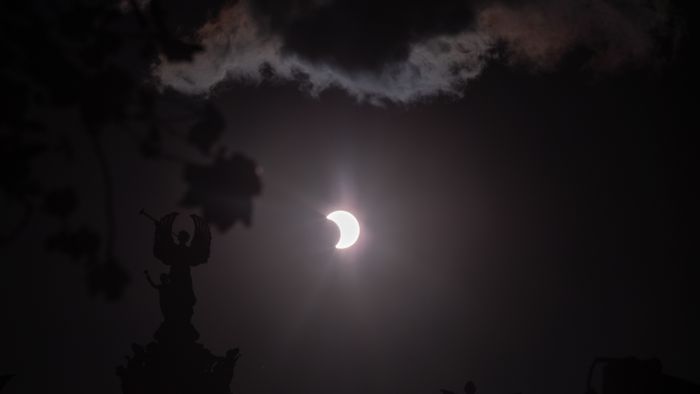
[[387, 51]]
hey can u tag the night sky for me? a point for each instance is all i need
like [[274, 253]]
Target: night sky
[[523, 173]]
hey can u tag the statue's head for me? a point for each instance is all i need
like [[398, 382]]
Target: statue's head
[[164, 278], [182, 237]]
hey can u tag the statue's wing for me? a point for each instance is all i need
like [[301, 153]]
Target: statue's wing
[[163, 245], [199, 247]]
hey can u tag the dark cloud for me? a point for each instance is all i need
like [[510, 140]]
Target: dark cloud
[[402, 51], [361, 35], [540, 33], [242, 45], [179, 16]]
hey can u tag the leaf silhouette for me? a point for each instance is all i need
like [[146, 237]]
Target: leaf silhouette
[[82, 244], [150, 147], [60, 202], [107, 96], [109, 279], [224, 190], [16, 156], [14, 102], [174, 48], [207, 130]]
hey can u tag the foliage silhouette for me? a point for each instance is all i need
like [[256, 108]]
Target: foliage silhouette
[[60, 202], [94, 58], [224, 189], [82, 244], [207, 130]]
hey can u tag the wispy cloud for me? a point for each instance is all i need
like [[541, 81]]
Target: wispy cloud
[[242, 44]]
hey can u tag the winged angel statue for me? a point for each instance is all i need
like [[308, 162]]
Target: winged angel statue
[[177, 296], [175, 362], [180, 254]]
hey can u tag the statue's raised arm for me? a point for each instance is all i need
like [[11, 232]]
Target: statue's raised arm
[[201, 242], [164, 248]]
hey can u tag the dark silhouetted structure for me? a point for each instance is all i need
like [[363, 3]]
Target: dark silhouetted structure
[[175, 363], [469, 388], [631, 375]]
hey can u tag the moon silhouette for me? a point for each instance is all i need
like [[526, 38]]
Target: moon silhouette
[[348, 226]]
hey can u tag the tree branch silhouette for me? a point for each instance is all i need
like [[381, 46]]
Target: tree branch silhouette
[[108, 193]]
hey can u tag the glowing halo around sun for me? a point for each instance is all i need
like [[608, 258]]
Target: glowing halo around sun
[[348, 226]]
